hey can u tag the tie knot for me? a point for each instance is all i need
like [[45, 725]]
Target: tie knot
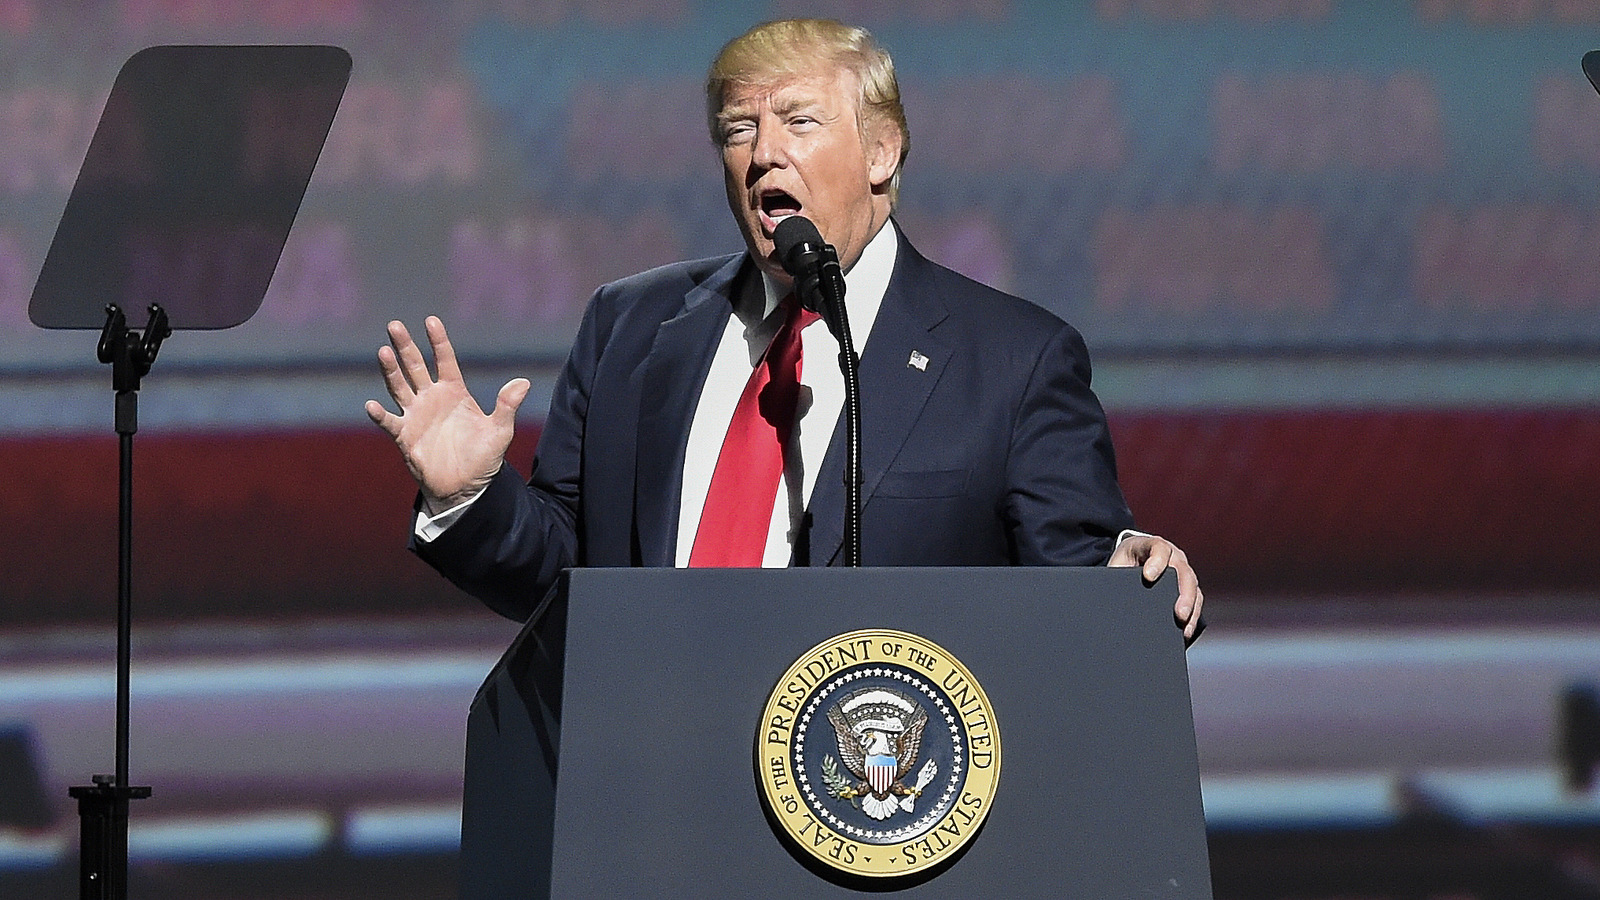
[[794, 315]]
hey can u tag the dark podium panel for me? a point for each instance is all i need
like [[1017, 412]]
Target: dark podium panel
[[610, 753]]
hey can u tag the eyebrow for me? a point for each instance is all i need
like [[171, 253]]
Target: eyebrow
[[784, 106], [780, 105]]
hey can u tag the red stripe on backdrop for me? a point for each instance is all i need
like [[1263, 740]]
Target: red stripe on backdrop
[[1394, 501], [269, 525], [252, 525]]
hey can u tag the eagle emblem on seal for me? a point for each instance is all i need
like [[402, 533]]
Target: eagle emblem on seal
[[879, 731]]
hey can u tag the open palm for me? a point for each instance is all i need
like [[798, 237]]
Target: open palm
[[450, 445]]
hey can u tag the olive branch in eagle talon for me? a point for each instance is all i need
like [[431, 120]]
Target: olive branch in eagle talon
[[837, 785]]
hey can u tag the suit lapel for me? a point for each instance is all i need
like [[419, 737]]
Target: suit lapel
[[893, 393], [671, 378]]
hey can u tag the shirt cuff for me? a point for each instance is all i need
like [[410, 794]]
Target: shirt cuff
[[1124, 535], [427, 527]]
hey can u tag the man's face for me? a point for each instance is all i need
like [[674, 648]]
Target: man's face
[[795, 147]]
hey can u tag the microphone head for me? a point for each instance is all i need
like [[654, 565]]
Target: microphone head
[[793, 238]]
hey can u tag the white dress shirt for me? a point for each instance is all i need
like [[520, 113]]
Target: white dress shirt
[[755, 321]]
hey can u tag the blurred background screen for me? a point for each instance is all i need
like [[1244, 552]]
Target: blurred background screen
[[1337, 262]]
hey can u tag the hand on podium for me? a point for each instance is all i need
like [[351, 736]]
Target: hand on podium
[[450, 445], [1154, 555]]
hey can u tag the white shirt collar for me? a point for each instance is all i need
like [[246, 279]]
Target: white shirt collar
[[865, 283]]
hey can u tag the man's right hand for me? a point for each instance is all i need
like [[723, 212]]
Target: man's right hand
[[451, 447]]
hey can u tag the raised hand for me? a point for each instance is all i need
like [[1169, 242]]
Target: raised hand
[[451, 447]]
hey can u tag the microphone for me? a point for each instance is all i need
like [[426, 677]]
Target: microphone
[[819, 286], [814, 266]]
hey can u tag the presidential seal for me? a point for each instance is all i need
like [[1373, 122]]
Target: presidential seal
[[878, 753]]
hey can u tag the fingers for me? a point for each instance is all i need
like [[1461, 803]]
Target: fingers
[[1164, 555], [1186, 611], [1156, 560], [444, 354], [408, 357], [1154, 555], [384, 419], [1127, 553], [511, 395], [393, 379], [1187, 608], [1191, 626], [405, 371]]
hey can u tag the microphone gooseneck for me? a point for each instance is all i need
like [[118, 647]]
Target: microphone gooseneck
[[819, 286]]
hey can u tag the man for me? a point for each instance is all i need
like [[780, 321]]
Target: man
[[982, 443]]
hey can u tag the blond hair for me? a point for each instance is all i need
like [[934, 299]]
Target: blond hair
[[776, 51]]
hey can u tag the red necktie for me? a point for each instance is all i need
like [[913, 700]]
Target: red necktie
[[738, 511]]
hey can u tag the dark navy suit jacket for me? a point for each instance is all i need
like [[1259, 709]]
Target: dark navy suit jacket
[[996, 453]]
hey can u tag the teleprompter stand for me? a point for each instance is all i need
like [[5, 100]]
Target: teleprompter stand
[[186, 196], [103, 805]]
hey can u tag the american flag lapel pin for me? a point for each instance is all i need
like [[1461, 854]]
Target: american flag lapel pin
[[918, 361]]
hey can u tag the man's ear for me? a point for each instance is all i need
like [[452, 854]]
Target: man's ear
[[883, 154]]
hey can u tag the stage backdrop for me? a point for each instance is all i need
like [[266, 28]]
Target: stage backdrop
[[1213, 176], [1337, 261]]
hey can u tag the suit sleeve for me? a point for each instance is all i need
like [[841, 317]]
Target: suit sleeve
[[1063, 504], [512, 543]]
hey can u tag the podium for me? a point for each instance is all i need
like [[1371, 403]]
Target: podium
[[616, 748]]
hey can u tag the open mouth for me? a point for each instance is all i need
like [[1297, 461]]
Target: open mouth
[[776, 205]]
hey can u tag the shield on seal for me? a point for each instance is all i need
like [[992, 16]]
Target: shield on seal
[[880, 773]]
